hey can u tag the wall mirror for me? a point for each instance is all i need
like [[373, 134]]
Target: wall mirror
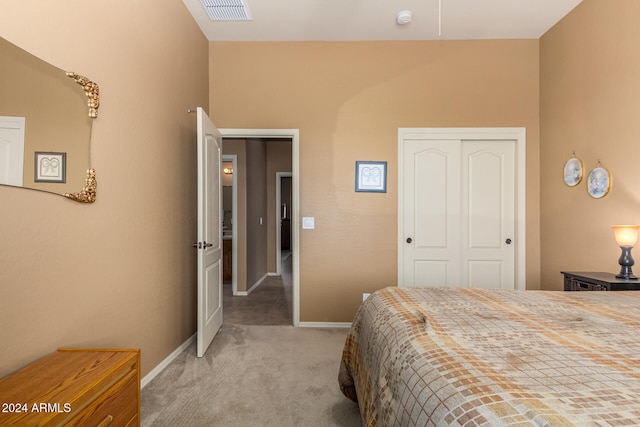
[[45, 126]]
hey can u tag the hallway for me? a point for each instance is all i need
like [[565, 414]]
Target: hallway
[[270, 304]]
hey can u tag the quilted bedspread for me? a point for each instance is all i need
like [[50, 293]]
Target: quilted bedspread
[[470, 357]]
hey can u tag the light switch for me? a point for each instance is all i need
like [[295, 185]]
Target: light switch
[[308, 222]]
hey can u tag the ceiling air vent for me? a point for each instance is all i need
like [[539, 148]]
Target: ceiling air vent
[[227, 10]]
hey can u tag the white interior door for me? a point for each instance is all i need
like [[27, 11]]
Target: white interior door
[[458, 211], [11, 150], [432, 213], [209, 244], [488, 214]]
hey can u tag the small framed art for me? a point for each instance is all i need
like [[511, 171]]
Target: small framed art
[[371, 177], [573, 171], [599, 182], [50, 167]]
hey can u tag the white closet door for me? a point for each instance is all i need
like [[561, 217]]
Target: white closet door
[[488, 214], [458, 213], [432, 213]]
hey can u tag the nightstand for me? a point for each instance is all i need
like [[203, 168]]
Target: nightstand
[[597, 281]]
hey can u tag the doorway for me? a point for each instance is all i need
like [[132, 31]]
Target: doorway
[[461, 207], [283, 212], [229, 220], [291, 135]]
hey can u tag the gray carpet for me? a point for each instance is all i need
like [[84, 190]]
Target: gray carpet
[[254, 376]]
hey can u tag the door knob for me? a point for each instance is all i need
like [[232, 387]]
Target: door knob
[[409, 240], [508, 241], [202, 245]]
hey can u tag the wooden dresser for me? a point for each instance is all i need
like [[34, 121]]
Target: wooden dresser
[[74, 387]]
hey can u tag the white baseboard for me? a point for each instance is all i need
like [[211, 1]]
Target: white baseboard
[[151, 375], [258, 283], [251, 289], [325, 324]]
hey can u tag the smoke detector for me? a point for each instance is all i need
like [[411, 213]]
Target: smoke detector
[[227, 10], [404, 17]]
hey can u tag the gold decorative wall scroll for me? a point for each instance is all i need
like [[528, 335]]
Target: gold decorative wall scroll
[[88, 193], [91, 89]]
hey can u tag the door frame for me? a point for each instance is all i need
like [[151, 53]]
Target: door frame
[[233, 158], [517, 134], [294, 135], [279, 176]]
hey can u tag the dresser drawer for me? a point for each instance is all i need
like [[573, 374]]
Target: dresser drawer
[[572, 284], [75, 387], [116, 407], [597, 281]]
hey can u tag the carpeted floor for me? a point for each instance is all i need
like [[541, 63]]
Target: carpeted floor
[[259, 371], [254, 376], [270, 304]]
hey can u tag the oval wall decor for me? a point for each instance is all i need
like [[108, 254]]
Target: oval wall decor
[[599, 182], [573, 172]]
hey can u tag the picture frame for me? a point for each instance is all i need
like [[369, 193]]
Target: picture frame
[[371, 177], [573, 172], [50, 167], [599, 182]]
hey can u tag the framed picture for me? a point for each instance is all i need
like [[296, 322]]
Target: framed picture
[[599, 182], [371, 177], [50, 167], [573, 172]]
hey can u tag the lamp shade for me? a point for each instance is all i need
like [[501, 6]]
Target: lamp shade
[[626, 235]]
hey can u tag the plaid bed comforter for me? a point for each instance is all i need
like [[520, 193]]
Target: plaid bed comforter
[[470, 357]]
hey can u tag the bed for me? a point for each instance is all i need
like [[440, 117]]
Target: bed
[[470, 357]]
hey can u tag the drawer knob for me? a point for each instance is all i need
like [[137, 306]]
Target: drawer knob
[[106, 422]]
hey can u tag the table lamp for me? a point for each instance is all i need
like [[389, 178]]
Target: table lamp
[[626, 237]]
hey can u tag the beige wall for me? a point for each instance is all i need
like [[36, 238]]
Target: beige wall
[[348, 100], [590, 99], [119, 272]]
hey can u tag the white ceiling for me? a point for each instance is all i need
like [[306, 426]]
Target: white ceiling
[[343, 20]]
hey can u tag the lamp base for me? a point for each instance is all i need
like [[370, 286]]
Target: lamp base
[[626, 262]]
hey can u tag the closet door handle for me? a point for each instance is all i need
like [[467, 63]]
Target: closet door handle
[[409, 240], [508, 241]]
